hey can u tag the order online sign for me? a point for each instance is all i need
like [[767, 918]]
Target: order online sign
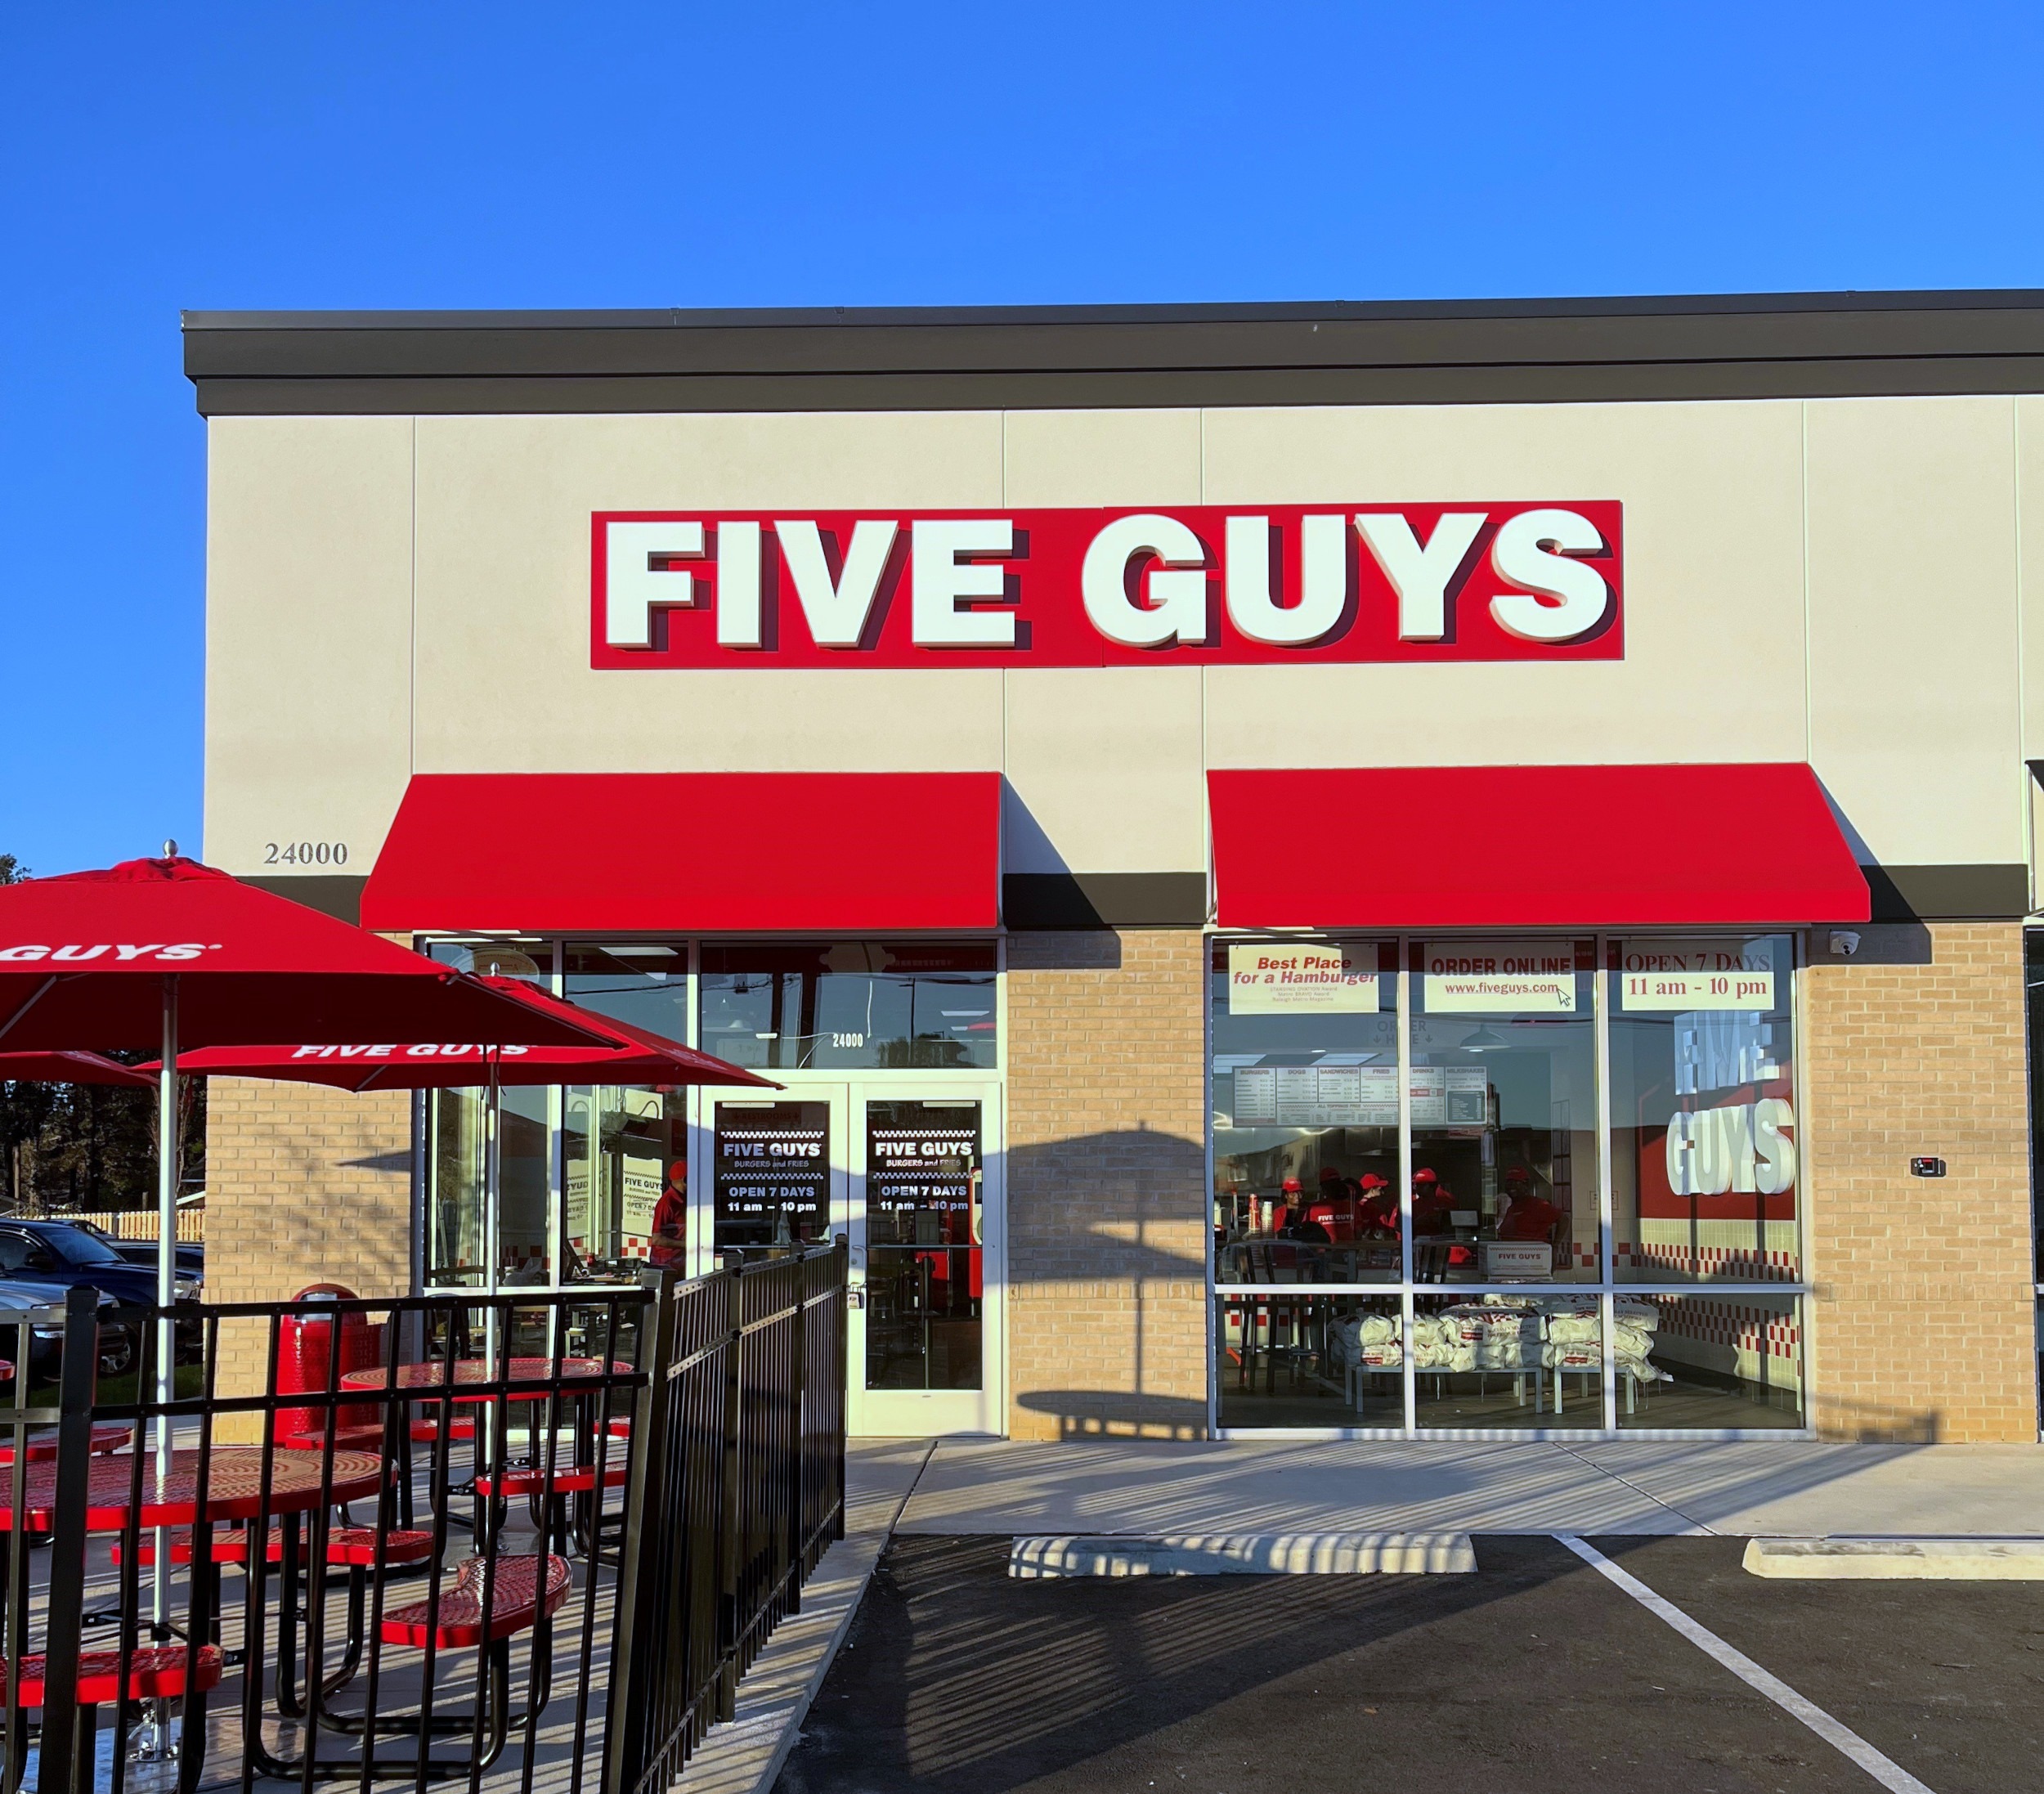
[[1470, 580]]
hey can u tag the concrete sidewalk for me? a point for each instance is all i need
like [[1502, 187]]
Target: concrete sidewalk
[[746, 1754], [1640, 1487]]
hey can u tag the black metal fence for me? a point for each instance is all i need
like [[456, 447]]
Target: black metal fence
[[475, 1537]]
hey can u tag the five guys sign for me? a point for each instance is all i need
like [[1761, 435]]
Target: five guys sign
[[1102, 588]]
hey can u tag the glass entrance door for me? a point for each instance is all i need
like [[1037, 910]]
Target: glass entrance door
[[909, 1171], [924, 1221]]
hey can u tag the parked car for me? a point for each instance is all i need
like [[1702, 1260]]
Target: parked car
[[41, 1260], [192, 1255], [41, 1306]]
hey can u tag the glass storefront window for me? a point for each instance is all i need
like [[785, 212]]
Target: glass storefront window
[[457, 1217], [1503, 1069], [644, 983], [1285, 1360], [625, 1151], [1511, 1121], [1505, 1359], [1306, 1111], [626, 1180], [457, 1211], [897, 1006], [1730, 1359], [2033, 1002], [1704, 1157]]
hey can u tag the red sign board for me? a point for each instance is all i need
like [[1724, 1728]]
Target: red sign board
[[1198, 585]]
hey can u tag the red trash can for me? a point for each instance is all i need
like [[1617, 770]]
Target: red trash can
[[305, 1352]]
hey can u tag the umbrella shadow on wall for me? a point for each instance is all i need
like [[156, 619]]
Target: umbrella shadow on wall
[[1107, 1284]]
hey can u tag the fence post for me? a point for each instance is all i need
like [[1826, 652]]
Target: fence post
[[841, 1271], [63, 1761], [729, 1552], [797, 1530], [639, 1609]]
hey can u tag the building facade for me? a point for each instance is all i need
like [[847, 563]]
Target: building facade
[[1370, 868]]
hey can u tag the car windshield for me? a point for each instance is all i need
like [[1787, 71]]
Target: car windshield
[[79, 1246]]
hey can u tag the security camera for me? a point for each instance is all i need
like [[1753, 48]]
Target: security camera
[[1844, 943]]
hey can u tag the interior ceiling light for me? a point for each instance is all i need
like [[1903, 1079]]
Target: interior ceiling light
[[1484, 1040]]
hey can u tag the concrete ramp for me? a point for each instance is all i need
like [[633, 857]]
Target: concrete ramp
[[1245, 1554]]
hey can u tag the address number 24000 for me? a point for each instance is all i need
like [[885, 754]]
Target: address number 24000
[[305, 852]]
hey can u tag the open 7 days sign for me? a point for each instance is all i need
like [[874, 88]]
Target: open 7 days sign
[[1099, 588]]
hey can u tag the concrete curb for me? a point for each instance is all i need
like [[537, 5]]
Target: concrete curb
[[1877, 1559], [746, 1756], [1246, 1553]]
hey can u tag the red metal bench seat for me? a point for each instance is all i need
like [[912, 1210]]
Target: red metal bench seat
[[525, 1588], [349, 1547], [568, 1478], [154, 1673]]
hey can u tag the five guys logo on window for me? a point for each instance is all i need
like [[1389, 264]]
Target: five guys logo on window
[[1208, 585]]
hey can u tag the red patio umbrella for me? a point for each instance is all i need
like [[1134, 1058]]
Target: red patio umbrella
[[639, 1057], [635, 1056], [85, 959], [71, 1068], [165, 951]]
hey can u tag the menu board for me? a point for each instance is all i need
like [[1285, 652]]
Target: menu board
[[1500, 977], [1317, 1096], [771, 1160], [1284, 978], [1686, 974], [1449, 1096], [922, 1172]]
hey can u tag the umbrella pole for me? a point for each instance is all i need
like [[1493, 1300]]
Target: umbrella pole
[[168, 1155], [492, 1194]]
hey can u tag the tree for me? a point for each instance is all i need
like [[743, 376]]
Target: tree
[[89, 1146]]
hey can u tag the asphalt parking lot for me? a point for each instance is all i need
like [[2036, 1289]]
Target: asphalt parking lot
[[1535, 1675]]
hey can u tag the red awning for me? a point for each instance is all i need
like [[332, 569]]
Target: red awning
[[836, 853], [1413, 847]]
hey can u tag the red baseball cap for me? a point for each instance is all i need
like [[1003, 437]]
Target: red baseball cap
[[1518, 1174], [1424, 1174], [1328, 1174], [1371, 1181], [1293, 1187]]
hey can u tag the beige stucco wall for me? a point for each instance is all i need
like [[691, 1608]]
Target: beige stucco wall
[[1835, 581]]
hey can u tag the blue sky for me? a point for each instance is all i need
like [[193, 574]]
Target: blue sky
[[450, 154]]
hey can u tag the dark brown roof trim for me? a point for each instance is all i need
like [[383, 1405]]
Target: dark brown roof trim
[[1730, 347]]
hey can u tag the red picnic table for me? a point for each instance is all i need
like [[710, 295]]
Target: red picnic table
[[571, 1482], [234, 1489]]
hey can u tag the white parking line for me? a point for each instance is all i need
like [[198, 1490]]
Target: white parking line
[[1842, 1737]]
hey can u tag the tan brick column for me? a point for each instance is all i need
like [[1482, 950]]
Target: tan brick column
[[1923, 1323], [1106, 1186], [303, 1185]]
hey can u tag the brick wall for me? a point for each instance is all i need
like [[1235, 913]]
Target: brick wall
[[1107, 1198], [1922, 1326], [303, 1185]]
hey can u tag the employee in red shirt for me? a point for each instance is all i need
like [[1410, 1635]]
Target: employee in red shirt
[[1528, 1215], [1379, 1210], [1431, 1205], [1333, 1209], [670, 1219]]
